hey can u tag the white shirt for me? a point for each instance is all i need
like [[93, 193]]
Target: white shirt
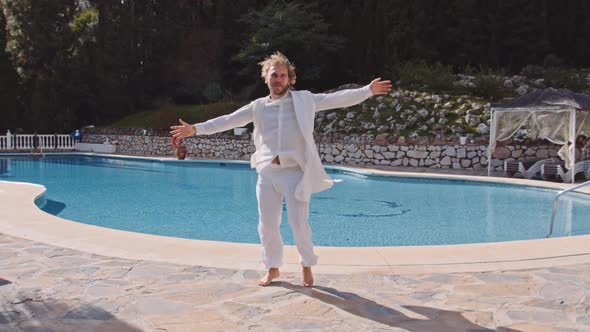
[[280, 133]]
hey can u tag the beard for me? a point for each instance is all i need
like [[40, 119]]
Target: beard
[[280, 90]]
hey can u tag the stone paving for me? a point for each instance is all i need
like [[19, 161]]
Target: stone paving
[[47, 288]]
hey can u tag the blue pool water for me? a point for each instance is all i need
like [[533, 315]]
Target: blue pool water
[[213, 201]]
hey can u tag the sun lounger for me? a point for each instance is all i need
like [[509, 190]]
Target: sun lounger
[[552, 171], [557, 171], [528, 168]]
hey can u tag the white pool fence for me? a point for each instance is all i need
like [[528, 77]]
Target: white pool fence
[[34, 141]]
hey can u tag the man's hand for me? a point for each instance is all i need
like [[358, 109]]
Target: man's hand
[[184, 130], [379, 87]]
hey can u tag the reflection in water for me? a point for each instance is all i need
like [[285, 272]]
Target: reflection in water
[[4, 166], [53, 207], [568, 217], [390, 204], [490, 225]]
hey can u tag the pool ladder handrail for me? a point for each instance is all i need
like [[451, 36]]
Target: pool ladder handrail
[[555, 201]]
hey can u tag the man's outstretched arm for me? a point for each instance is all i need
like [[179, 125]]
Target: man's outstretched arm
[[350, 97], [239, 118]]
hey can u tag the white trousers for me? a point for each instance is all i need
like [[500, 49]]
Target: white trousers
[[275, 184]]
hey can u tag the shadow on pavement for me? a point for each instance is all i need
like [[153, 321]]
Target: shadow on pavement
[[436, 319]]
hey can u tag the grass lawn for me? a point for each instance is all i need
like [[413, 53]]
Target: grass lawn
[[167, 114]]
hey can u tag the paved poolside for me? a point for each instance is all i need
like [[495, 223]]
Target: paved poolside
[[48, 288]]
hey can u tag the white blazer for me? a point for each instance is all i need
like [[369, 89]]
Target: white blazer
[[305, 104], [315, 178]]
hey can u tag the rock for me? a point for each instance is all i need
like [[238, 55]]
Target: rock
[[501, 153], [331, 116], [351, 148], [388, 155], [540, 83], [446, 161], [423, 141], [329, 158], [542, 153], [417, 154], [450, 151], [483, 129], [413, 162], [523, 89], [465, 163], [461, 153], [350, 115], [401, 140], [472, 121], [381, 139], [448, 105], [339, 158], [423, 113], [369, 153]]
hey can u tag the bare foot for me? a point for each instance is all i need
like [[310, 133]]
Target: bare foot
[[269, 276], [307, 277]]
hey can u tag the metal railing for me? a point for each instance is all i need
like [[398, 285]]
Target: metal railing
[[34, 141], [556, 201]]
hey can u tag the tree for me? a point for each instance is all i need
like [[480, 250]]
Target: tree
[[8, 83], [39, 37], [295, 29]]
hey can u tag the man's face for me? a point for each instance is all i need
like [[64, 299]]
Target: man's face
[[277, 79]]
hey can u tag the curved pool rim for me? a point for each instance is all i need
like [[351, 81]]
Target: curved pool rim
[[20, 217]]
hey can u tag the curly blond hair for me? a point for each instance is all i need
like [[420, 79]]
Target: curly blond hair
[[277, 59]]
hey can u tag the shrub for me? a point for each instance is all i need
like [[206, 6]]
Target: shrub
[[489, 87], [563, 78], [552, 61], [431, 77], [213, 92], [489, 84], [532, 71]]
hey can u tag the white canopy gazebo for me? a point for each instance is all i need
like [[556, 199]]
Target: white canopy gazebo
[[557, 115]]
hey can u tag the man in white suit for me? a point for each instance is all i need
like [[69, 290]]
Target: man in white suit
[[286, 157]]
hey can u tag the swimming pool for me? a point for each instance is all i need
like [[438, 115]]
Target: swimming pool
[[216, 201]]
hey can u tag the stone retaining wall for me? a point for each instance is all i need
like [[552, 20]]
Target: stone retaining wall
[[223, 146]]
